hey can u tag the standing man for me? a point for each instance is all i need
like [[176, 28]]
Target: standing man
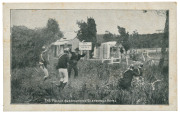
[[73, 62], [62, 68], [44, 61]]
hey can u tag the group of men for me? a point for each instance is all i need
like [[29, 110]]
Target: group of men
[[66, 62]]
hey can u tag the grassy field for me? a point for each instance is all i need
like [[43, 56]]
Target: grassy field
[[96, 84]]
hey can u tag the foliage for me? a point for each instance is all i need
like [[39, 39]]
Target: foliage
[[165, 40], [146, 40], [139, 40], [123, 38], [52, 26], [87, 32], [134, 39], [27, 43], [96, 81], [108, 36]]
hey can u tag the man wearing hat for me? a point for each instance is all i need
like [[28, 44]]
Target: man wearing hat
[[73, 62], [62, 68]]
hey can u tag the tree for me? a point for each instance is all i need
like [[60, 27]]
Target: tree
[[52, 31], [165, 40], [123, 38], [87, 32], [52, 26], [134, 39], [47, 35], [108, 36]]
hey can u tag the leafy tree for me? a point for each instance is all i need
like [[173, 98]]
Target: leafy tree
[[123, 38], [52, 31], [134, 39], [108, 36], [165, 41], [87, 32], [82, 33], [52, 26]]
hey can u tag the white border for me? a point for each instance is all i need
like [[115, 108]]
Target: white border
[[1, 43]]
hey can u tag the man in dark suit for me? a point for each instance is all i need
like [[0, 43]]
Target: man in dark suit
[[75, 57]]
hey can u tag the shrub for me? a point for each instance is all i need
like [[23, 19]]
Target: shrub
[[26, 44]]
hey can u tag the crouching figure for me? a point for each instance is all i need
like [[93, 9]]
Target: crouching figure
[[125, 82]]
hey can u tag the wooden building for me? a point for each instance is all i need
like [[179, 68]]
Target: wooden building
[[68, 41], [107, 50]]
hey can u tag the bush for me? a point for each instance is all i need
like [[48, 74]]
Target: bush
[[96, 81], [26, 43]]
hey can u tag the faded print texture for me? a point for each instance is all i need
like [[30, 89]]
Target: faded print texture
[[127, 62]]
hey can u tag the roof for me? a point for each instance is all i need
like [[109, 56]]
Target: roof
[[111, 43], [70, 35], [61, 41]]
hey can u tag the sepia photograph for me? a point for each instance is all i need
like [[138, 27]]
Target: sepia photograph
[[90, 56]]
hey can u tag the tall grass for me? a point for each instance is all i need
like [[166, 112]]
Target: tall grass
[[96, 81]]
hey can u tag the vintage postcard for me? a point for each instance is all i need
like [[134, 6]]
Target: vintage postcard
[[90, 56]]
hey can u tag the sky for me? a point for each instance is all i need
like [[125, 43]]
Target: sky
[[106, 20]]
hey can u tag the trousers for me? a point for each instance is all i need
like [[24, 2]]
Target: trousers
[[63, 75], [44, 69], [74, 67]]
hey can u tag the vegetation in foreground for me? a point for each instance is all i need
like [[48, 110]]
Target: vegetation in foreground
[[97, 82]]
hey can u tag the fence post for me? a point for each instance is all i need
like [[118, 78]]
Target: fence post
[[127, 60], [111, 60]]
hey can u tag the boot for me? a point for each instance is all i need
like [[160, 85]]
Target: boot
[[60, 86], [45, 77], [63, 85]]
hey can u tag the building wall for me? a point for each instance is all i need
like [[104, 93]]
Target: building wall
[[75, 43], [58, 49], [105, 51]]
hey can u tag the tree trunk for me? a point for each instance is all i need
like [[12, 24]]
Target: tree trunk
[[165, 41]]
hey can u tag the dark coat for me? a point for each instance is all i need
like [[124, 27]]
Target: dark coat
[[63, 61], [125, 82], [75, 58]]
